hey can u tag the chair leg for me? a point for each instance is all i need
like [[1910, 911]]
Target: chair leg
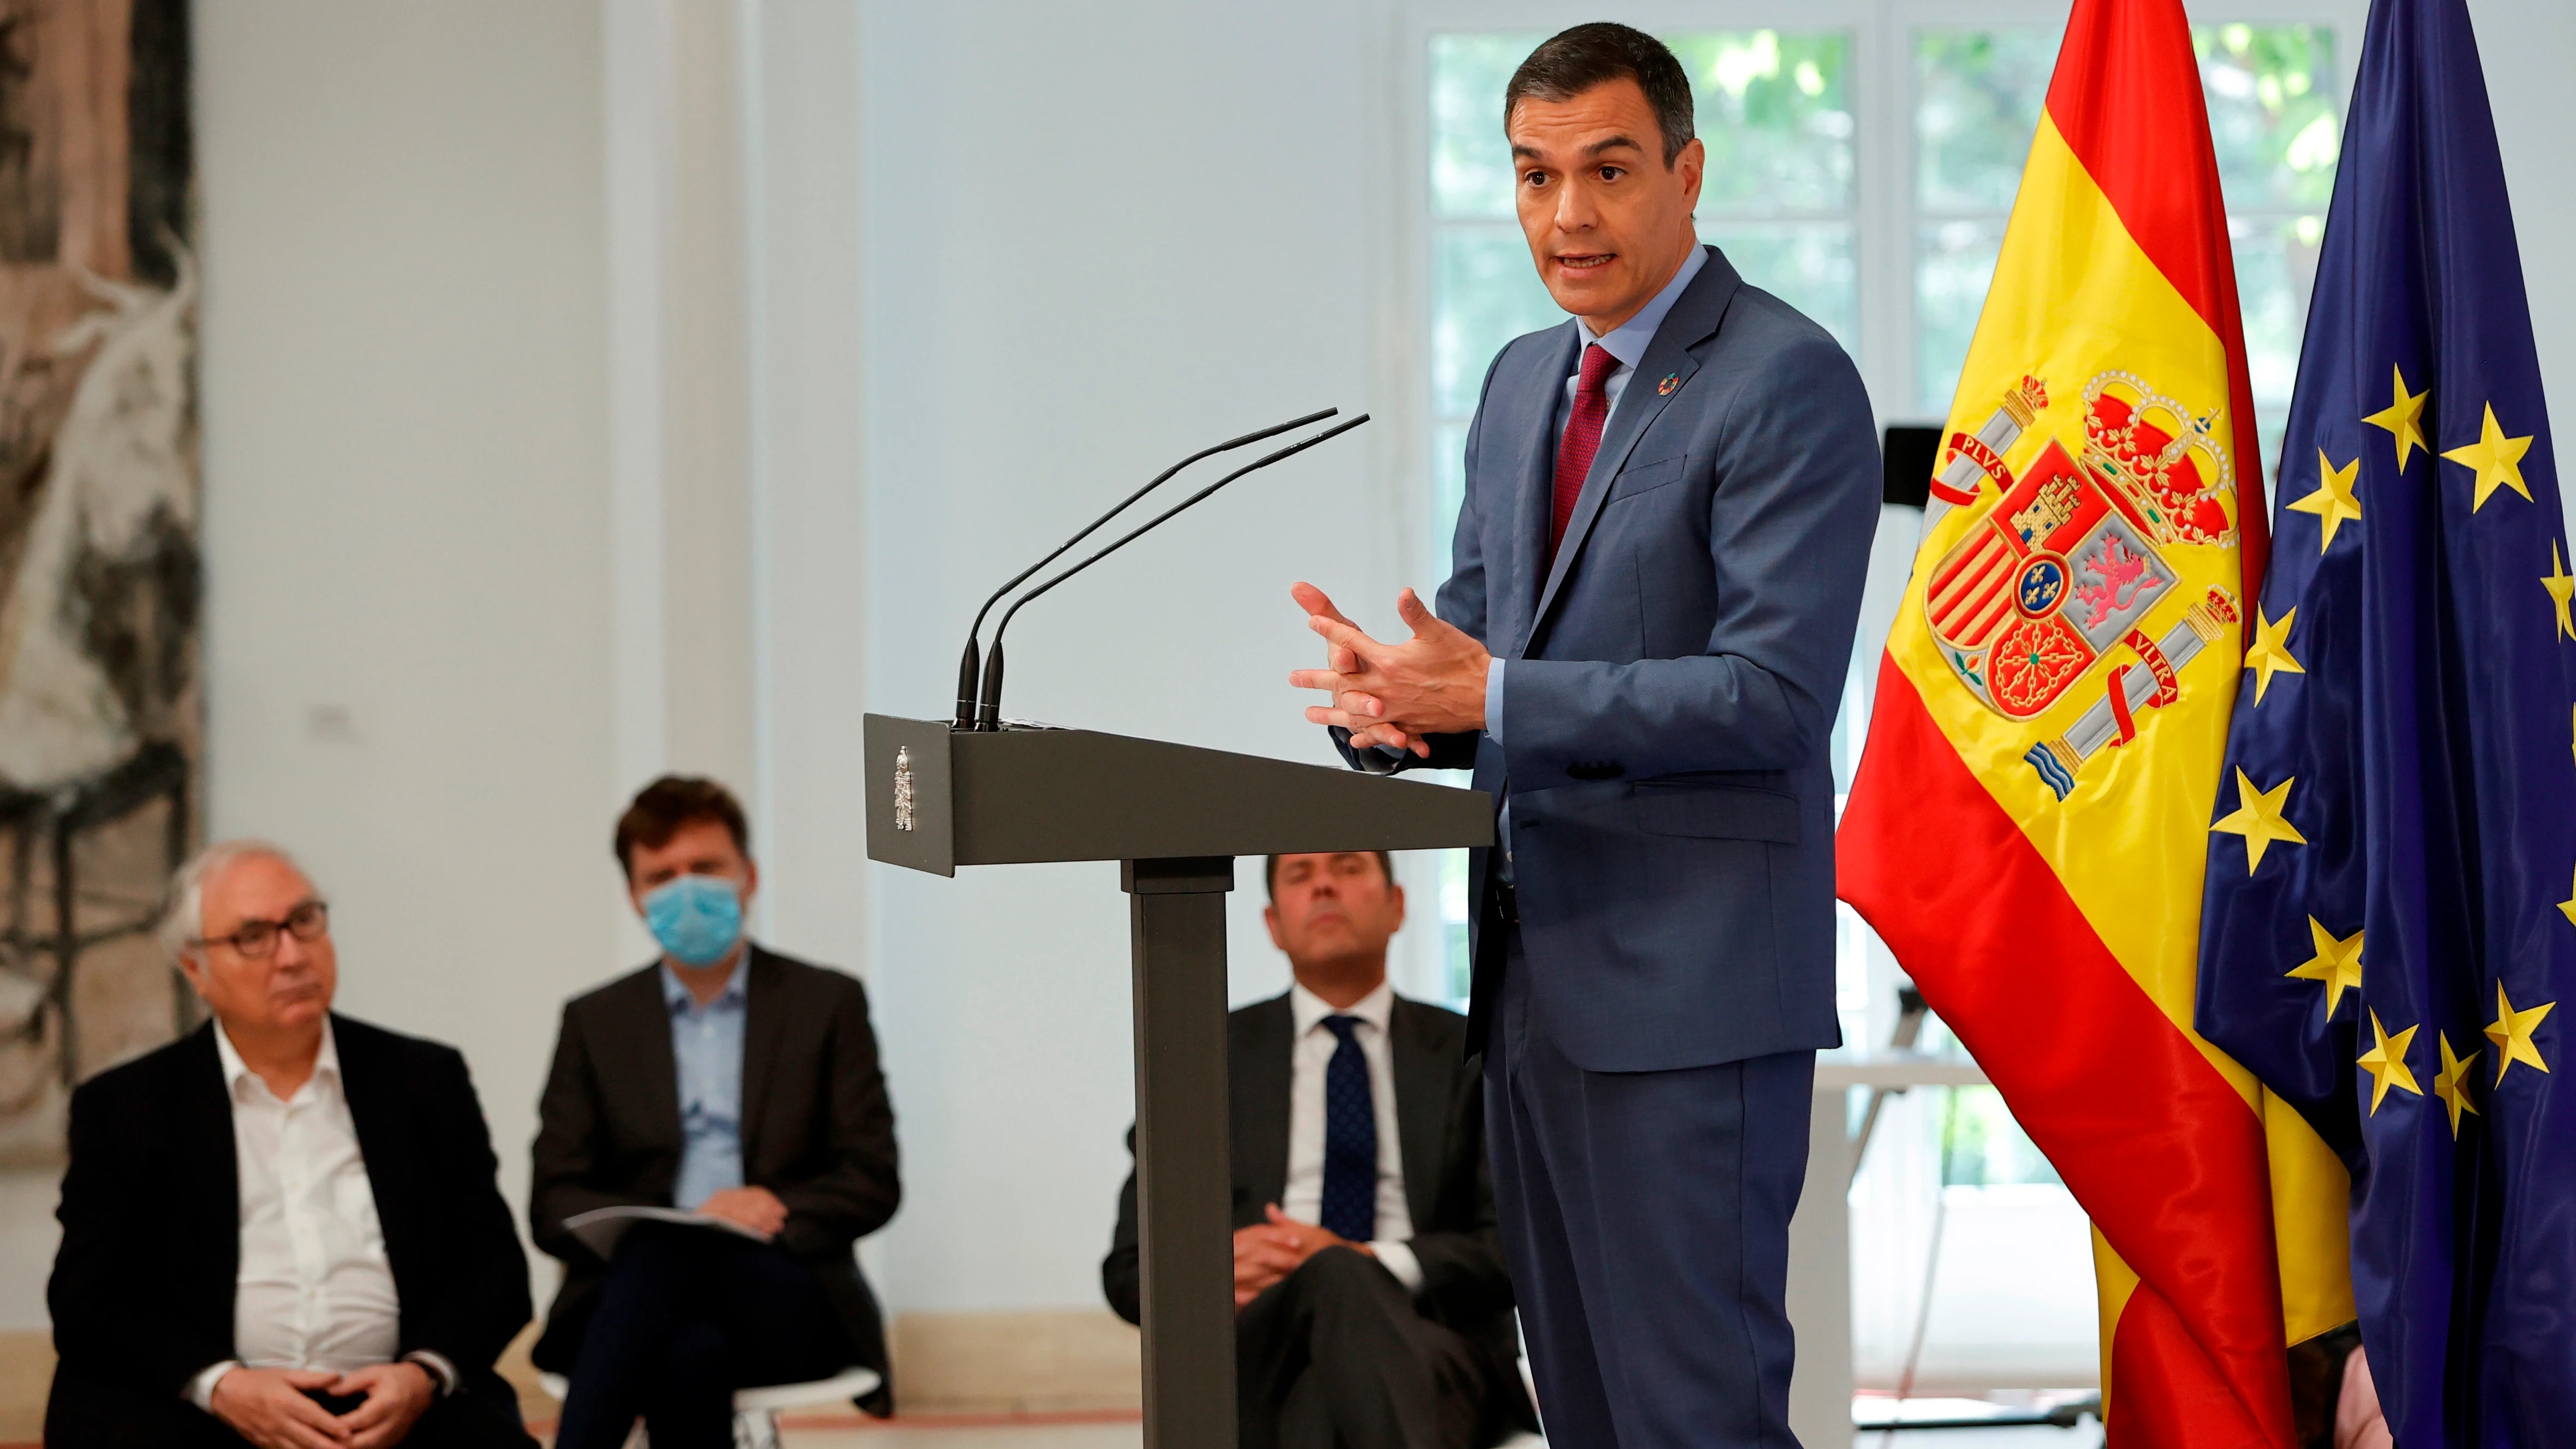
[[755, 1429]]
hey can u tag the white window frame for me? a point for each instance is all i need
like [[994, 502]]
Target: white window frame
[[1883, 93]]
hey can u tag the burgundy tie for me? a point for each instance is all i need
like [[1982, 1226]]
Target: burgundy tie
[[1582, 439]]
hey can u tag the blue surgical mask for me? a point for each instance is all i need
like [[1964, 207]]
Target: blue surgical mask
[[697, 918]]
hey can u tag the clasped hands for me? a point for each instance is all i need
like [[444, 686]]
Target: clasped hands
[[1394, 694], [1269, 1251], [273, 1408]]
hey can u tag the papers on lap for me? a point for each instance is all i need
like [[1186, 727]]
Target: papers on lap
[[601, 1228]]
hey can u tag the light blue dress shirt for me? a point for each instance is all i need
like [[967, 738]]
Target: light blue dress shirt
[[1627, 342], [706, 1046]]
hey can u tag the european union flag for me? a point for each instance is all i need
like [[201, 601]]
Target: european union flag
[[2389, 925]]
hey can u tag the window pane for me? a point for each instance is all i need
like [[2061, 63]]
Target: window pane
[[1484, 293], [2270, 111], [1978, 96], [1448, 489], [1808, 266], [1461, 972], [1981, 1144], [2276, 264], [1775, 113], [1954, 262], [1471, 165], [2271, 425]]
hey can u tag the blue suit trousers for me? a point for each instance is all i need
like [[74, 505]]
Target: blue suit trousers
[[1646, 1219]]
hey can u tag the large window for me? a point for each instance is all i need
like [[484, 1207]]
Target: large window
[[1977, 98], [2272, 117]]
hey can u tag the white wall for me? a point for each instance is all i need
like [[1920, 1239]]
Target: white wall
[[1096, 240], [406, 505], [2527, 47]]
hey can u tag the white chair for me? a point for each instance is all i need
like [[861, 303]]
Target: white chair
[[1529, 1385], [755, 1411]]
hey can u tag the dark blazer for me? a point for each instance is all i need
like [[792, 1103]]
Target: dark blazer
[[1440, 1128], [817, 1130], [1671, 679], [142, 1292]]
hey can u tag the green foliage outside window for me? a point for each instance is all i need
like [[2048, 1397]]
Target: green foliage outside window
[[1774, 111], [2272, 116]]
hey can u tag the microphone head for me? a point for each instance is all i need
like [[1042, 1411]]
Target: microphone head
[[988, 714], [966, 671]]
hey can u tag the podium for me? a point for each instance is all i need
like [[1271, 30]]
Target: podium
[[1174, 817]]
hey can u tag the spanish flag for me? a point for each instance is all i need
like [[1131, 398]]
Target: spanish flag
[[2029, 824]]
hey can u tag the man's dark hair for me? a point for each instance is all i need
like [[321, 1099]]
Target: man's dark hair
[[1574, 61], [661, 808], [1270, 871]]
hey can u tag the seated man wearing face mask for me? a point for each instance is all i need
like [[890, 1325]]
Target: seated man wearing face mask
[[726, 1080]]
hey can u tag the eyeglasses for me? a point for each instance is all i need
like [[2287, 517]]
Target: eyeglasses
[[257, 940]]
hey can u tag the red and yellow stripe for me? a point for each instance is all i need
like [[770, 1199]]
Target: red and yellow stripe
[[2059, 938]]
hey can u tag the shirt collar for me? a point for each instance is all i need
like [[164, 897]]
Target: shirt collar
[[679, 998], [1627, 341], [236, 1071], [1310, 1009]]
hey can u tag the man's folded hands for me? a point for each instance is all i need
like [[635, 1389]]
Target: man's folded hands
[[1266, 1252], [1393, 695], [274, 1408]]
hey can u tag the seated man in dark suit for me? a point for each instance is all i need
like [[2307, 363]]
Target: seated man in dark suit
[[726, 1080], [283, 1228], [1371, 1304]]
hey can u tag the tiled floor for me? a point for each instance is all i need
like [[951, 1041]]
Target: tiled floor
[[968, 1434], [985, 1434], [2088, 1436]]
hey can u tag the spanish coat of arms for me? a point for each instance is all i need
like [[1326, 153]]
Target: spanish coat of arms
[[2056, 580]]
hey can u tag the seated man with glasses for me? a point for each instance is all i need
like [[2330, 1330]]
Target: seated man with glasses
[[283, 1228]]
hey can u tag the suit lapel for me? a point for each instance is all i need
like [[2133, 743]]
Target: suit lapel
[[205, 1145], [643, 1017], [1422, 1074], [1694, 316], [1534, 481], [1261, 1081], [375, 1110], [764, 1025]]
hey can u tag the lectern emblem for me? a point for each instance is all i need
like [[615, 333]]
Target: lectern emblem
[[903, 789]]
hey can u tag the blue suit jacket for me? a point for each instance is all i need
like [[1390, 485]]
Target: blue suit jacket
[[1672, 679]]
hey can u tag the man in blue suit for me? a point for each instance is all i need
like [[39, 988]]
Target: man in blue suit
[[1657, 571]]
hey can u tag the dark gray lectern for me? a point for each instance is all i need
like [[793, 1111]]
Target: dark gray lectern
[[1175, 817]]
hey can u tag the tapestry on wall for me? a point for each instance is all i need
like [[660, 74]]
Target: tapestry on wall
[[100, 719]]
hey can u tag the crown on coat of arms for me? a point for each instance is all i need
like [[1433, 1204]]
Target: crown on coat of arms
[[2165, 463], [2026, 400]]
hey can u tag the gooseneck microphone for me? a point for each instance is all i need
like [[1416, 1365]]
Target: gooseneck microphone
[[966, 667], [988, 715]]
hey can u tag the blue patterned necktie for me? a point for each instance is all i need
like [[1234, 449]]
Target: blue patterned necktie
[[1350, 1137]]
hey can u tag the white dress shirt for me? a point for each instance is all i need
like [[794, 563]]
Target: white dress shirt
[[1303, 1198], [315, 1289]]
